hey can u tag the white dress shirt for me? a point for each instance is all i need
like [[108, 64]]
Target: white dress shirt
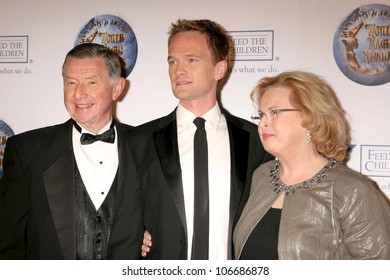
[[97, 163], [219, 176]]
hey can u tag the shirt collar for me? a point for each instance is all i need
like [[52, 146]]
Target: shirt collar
[[81, 129], [185, 117]]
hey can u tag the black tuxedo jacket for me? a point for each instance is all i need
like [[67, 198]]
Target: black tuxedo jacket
[[155, 151], [37, 198]]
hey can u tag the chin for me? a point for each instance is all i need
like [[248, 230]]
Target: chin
[[268, 149]]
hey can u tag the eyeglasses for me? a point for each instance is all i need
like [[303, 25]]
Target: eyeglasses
[[270, 114]]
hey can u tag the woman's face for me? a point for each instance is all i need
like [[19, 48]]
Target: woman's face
[[281, 132]]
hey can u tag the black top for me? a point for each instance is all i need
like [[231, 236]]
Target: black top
[[262, 244]]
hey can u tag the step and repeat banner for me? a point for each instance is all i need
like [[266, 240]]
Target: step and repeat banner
[[346, 42]]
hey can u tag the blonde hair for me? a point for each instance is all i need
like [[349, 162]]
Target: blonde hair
[[322, 115]]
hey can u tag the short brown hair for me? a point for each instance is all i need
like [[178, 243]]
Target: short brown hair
[[217, 36]]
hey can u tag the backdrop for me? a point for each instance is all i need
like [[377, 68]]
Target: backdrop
[[347, 42]]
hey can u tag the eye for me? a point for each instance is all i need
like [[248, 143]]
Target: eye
[[70, 83], [274, 112], [171, 61], [192, 60], [261, 114]]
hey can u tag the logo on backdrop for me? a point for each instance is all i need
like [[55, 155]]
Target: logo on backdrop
[[361, 45], [5, 132], [13, 49], [14, 56], [375, 160], [114, 33], [253, 45]]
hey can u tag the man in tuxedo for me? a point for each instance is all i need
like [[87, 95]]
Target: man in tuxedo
[[68, 190], [163, 151]]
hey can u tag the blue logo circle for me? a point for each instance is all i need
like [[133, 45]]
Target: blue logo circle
[[361, 45], [5, 132], [114, 33]]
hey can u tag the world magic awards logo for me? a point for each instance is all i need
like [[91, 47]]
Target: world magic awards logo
[[361, 45], [5, 133], [113, 33]]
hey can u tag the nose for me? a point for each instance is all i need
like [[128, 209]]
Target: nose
[[180, 69], [80, 91], [263, 122]]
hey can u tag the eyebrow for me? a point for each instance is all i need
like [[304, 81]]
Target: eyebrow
[[186, 55], [269, 108]]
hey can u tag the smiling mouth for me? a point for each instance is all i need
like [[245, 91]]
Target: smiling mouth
[[83, 106], [182, 83]]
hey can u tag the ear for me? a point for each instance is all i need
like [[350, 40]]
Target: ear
[[118, 88], [221, 68]]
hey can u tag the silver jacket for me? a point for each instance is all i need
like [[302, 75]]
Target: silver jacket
[[342, 217]]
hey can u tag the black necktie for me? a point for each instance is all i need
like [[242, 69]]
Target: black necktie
[[200, 243], [87, 138]]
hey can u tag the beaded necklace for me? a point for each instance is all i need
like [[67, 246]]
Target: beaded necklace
[[278, 185]]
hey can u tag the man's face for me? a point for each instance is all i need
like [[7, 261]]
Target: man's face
[[89, 92], [194, 74]]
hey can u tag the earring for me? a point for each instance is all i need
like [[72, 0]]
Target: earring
[[308, 137]]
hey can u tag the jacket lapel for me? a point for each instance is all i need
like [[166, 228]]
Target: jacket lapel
[[122, 156], [239, 151], [58, 180], [168, 152]]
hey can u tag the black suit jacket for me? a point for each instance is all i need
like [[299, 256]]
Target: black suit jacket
[[37, 198], [155, 151]]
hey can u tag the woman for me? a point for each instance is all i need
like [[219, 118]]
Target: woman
[[307, 204]]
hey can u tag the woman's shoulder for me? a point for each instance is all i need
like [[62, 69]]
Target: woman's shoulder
[[347, 180], [265, 168], [261, 175], [343, 172]]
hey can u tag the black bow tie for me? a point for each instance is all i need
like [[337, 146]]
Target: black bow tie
[[87, 138], [108, 136]]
